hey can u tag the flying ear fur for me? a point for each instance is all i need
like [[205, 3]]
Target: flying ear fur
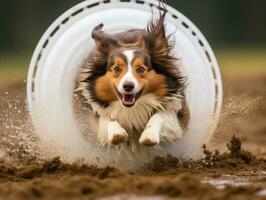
[[104, 42], [156, 32], [159, 45]]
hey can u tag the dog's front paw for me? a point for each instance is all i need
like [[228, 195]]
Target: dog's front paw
[[118, 138], [150, 137], [116, 134]]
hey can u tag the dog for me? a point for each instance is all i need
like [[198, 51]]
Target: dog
[[133, 84]]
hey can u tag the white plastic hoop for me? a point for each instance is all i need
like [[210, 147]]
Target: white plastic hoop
[[67, 42]]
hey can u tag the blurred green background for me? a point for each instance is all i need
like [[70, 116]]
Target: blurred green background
[[235, 29]]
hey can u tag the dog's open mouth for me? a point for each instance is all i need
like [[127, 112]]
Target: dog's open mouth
[[128, 99]]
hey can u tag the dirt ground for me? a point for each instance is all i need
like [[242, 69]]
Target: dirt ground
[[234, 167]]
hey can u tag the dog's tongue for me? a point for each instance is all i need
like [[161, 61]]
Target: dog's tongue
[[128, 98]]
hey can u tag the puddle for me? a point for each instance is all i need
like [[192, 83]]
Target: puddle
[[222, 183], [261, 192], [255, 179], [134, 197]]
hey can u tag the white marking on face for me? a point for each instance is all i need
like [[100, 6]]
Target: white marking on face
[[129, 76]]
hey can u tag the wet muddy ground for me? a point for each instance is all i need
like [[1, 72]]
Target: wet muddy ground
[[234, 166]]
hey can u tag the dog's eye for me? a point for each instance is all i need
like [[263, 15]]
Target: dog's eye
[[140, 69], [117, 70]]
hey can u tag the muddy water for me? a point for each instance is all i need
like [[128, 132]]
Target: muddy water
[[236, 171]]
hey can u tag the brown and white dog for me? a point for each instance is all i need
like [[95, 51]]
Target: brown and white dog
[[132, 83]]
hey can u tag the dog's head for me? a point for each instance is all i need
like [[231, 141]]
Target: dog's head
[[127, 70]]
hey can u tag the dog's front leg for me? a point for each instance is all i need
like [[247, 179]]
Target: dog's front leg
[[116, 134], [151, 133]]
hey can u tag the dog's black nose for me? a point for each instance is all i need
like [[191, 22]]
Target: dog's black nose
[[128, 86]]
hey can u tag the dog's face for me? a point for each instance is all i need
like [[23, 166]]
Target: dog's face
[[126, 71], [129, 75]]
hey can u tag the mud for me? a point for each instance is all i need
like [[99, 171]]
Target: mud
[[166, 177], [234, 166], [235, 158]]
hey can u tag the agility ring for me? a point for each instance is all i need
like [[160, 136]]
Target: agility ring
[[66, 43]]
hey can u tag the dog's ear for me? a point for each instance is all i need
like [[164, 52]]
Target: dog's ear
[[104, 42], [156, 40], [160, 45]]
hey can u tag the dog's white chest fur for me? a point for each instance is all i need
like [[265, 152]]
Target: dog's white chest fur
[[147, 115]]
